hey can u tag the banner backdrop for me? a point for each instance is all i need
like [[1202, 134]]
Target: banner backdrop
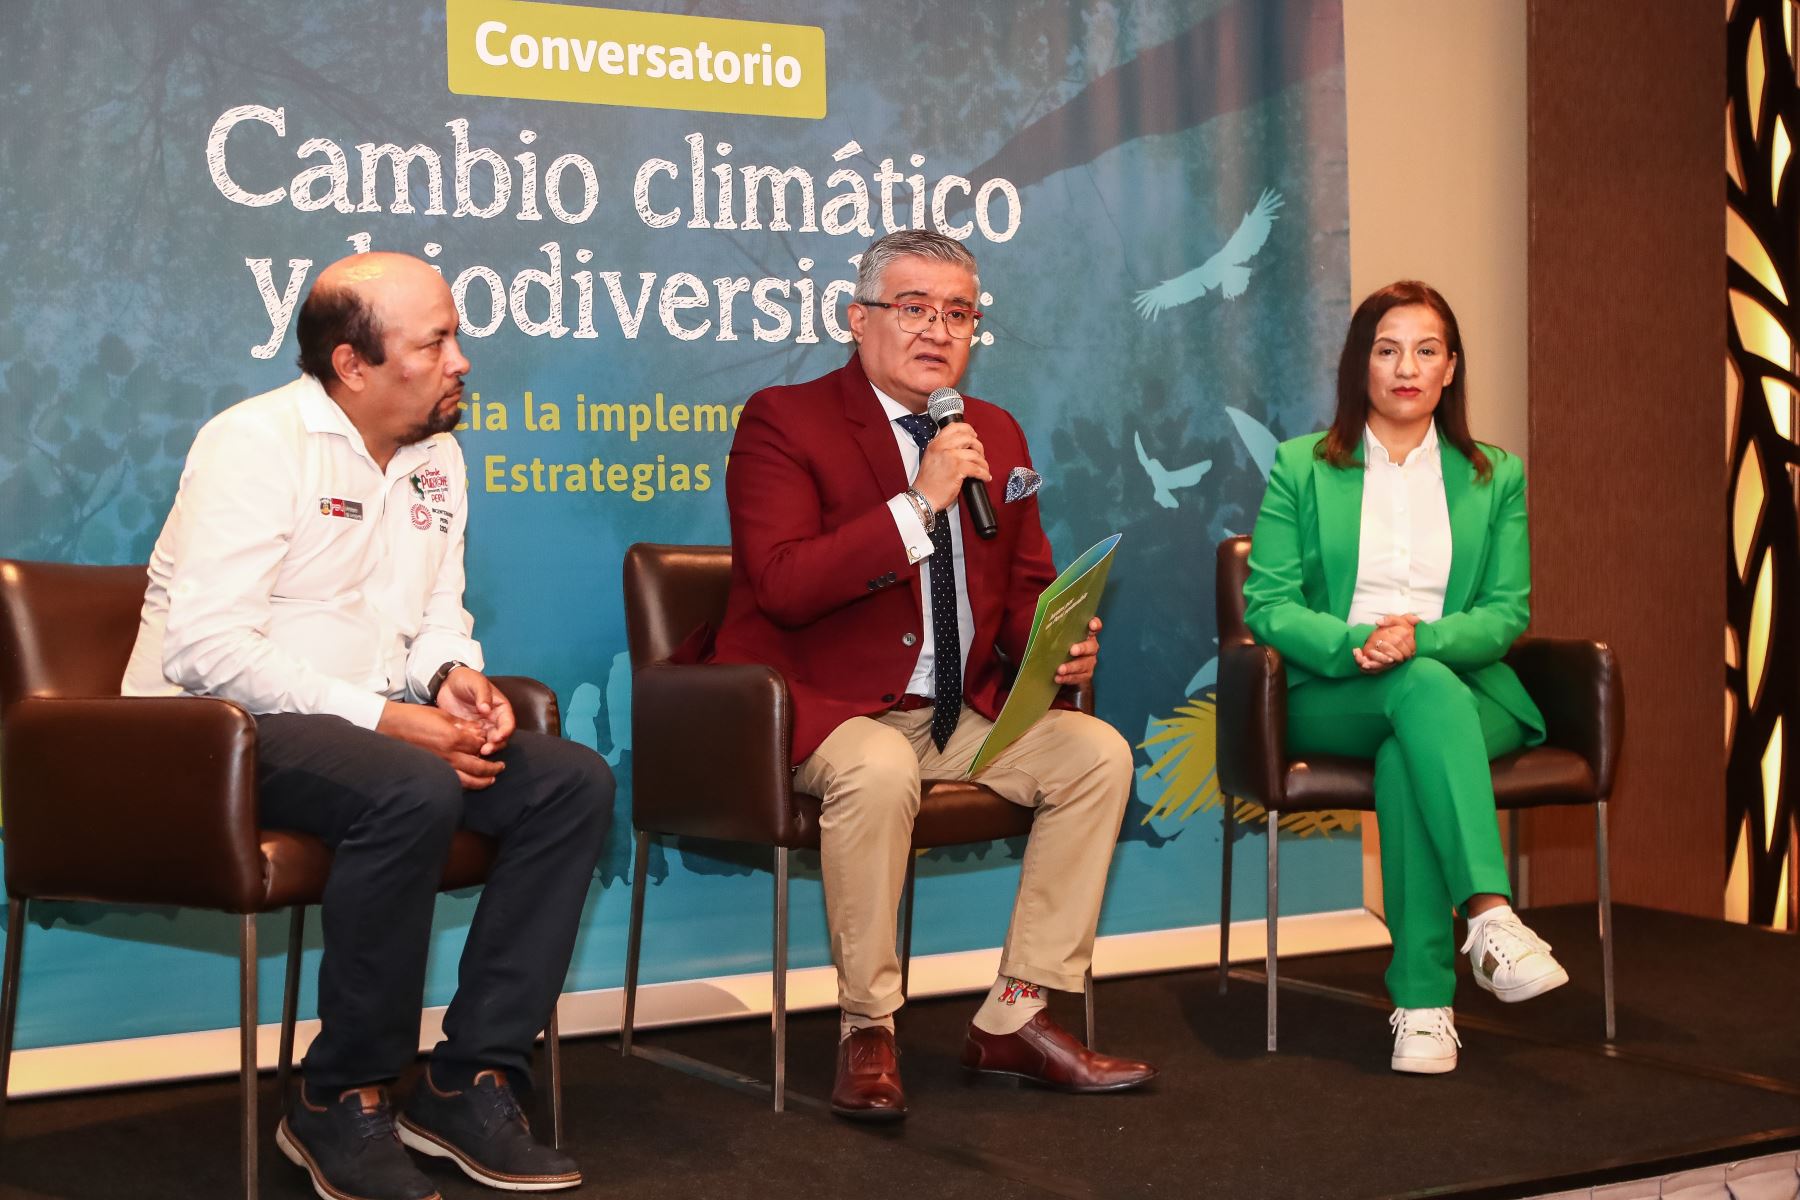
[[646, 216]]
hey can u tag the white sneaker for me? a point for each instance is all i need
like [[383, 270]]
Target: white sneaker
[[1511, 961], [1425, 1041]]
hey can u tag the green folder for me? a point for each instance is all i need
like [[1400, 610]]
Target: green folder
[[1063, 613]]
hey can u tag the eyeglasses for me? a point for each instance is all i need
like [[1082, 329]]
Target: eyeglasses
[[915, 317]]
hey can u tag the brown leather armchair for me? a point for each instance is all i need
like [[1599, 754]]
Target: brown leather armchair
[[152, 800], [739, 785], [1575, 683]]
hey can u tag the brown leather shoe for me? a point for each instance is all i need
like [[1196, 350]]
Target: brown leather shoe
[[868, 1077], [1044, 1053]]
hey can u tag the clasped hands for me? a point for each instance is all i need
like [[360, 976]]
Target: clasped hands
[[469, 724], [1391, 644]]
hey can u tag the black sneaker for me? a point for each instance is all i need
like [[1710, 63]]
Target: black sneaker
[[482, 1130], [350, 1149]]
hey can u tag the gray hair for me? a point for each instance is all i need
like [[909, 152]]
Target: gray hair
[[908, 243]]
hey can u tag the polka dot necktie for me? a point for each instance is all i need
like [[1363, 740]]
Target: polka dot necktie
[[946, 639]]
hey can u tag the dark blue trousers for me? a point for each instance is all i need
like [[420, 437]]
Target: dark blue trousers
[[388, 810]]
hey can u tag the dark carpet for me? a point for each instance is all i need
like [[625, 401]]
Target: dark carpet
[[1704, 1073], [1692, 991]]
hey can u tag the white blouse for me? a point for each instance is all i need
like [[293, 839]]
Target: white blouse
[[1403, 555]]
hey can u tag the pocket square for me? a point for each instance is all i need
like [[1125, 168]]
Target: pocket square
[[1021, 483]]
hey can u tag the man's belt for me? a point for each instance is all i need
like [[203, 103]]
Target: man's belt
[[911, 701]]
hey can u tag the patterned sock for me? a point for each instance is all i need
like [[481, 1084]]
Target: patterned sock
[[849, 1022], [1010, 1004]]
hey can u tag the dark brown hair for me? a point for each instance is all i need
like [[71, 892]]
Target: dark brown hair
[[1339, 444], [331, 317]]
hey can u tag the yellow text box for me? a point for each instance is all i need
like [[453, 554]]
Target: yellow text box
[[532, 51]]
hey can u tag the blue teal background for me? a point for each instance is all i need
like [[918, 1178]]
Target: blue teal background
[[1139, 136]]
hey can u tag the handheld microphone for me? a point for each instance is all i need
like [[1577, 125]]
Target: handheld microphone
[[944, 406]]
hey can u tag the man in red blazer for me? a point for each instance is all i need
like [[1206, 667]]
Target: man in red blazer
[[858, 575]]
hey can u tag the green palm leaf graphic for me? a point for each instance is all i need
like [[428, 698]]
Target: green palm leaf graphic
[[1183, 753]]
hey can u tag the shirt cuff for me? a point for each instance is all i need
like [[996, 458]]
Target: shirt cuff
[[350, 702], [433, 650], [912, 530]]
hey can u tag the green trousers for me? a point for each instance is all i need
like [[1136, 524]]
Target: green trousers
[[1431, 738]]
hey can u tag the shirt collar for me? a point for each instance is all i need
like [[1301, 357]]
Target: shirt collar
[[892, 407], [1426, 451], [319, 413]]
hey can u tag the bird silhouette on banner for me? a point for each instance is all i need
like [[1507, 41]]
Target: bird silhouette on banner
[[1224, 270], [1165, 481]]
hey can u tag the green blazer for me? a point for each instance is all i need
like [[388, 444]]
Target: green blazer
[[1303, 572]]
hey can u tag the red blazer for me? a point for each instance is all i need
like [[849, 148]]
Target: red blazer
[[820, 586]]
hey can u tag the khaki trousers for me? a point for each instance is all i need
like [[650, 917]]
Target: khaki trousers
[[1073, 769]]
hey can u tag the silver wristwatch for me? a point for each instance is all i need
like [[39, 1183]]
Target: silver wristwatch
[[439, 679]]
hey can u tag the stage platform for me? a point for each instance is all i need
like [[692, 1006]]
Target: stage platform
[[1705, 1071]]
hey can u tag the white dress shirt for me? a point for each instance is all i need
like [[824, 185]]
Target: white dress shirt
[[1403, 556], [919, 548], [294, 575]]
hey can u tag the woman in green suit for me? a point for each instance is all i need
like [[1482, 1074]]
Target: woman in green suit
[[1391, 567]]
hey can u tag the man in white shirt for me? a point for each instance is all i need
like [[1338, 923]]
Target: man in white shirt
[[311, 570]]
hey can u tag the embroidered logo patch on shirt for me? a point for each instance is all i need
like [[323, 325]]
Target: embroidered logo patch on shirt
[[332, 506], [421, 517], [431, 483]]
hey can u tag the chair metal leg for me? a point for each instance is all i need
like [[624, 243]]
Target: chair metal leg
[[553, 1052], [778, 1010], [247, 1047], [1273, 919], [634, 940], [1229, 805], [1606, 921], [1516, 860], [1793, 912], [1087, 994], [290, 1002], [9, 989], [906, 920]]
